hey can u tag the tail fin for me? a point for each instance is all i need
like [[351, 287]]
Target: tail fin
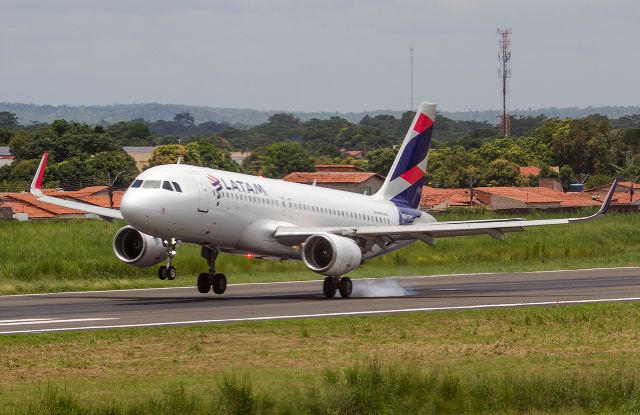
[[403, 185]]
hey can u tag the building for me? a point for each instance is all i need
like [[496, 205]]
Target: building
[[339, 177], [239, 156], [26, 206], [5, 156], [442, 199], [141, 155], [356, 154], [507, 198], [623, 195]]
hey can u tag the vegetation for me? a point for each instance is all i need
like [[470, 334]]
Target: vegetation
[[464, 153], [81, 257], [570, 359]]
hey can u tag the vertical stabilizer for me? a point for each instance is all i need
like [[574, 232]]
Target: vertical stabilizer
[[403, 185]]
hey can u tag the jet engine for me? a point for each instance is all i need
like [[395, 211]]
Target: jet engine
[[138, 249], [331, 255]]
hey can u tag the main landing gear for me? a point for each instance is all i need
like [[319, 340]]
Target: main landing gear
[[333, 284], [168, 271], [211, 280]]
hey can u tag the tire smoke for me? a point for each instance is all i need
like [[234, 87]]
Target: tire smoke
[[377, 288]]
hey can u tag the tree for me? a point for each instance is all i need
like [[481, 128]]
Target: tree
[[566, 176], [170, 153], [111, 164], [380, 160], [5, 136], [184, 119], [279, 159], [214, 157], [503, 173], [630, 170], [8, 120], [130, 133]]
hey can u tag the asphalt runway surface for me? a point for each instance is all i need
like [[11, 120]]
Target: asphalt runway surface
[[272, 301]]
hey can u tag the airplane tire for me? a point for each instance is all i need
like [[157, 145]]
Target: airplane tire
[[204, 285], [329, 287], [346, 287], [162, 272], [219, 283], [171, 273]]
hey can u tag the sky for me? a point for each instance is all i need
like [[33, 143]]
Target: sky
[[327, 55]]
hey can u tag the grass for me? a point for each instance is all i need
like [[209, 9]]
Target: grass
[[573, 359], [76, 255]]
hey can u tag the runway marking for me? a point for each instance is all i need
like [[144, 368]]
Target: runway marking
[[24, 319], [347, 313], [319, 281], [31, 321]]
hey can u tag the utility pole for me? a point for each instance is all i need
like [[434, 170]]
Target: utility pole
[[504, 72], [110, 184]]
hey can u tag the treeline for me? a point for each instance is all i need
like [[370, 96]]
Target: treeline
[[111, 114], [463, 153]]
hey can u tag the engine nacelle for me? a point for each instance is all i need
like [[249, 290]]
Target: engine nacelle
[[138, 249], [331, 255]]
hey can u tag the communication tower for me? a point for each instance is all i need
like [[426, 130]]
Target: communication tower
[[504, 72], [411, 108]]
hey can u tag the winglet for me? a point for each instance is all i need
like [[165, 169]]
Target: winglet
[[607, 201], [36, 184], [604, 208]]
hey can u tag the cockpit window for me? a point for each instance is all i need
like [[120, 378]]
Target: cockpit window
[[177, 187], [136, 183], [151, 184], [167, 186]]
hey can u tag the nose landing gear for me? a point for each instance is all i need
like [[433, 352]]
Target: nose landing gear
[[211, 280], [168, 271]]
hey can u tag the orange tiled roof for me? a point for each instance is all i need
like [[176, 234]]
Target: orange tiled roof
[[338, 168], [605, 188], [454, 197], [529, 171], [524, 194], [33, 201], [329, 177], [18, 206], [72, 193]]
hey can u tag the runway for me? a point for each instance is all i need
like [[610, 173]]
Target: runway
[[271, 301]]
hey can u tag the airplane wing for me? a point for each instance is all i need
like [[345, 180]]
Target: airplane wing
[[428, 232], [36, 186]]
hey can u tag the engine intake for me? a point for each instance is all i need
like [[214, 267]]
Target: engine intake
[[138, 249], [331, 255]]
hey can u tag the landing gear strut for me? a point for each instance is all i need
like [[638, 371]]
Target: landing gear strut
[[168, 271], [333, 284], [211, 279]]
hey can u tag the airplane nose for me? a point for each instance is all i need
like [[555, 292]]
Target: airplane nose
[[134, 209]]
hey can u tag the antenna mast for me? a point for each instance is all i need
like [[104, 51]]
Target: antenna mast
[[504, 72], [411, 107]]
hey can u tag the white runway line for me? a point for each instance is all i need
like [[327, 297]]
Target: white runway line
[[24, 320], [348, 313], [31, 321]]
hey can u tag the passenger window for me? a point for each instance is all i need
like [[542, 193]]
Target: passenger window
[[136, 183], [177, 187], [151, 184], [167, 186]]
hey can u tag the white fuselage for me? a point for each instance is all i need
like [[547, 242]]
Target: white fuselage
[[239, 213]]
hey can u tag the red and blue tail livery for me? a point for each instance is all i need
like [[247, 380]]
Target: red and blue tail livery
[[403, 185]]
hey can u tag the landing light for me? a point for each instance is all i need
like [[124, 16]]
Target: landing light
[[248, 255]]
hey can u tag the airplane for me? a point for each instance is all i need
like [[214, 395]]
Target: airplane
[[333, 232]]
